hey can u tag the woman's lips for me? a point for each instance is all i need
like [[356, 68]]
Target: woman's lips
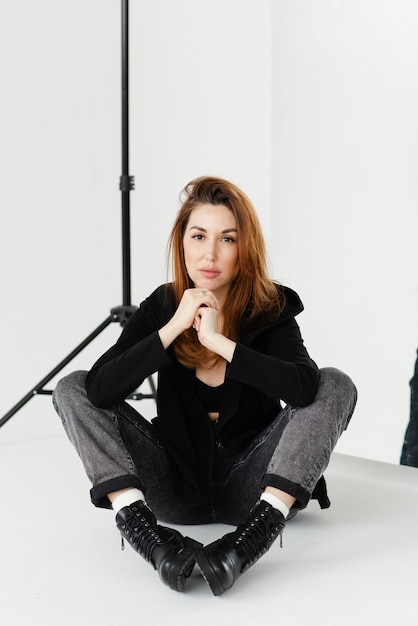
[[207, 273]]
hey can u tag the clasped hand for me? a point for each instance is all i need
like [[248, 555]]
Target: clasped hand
[[199, 308]]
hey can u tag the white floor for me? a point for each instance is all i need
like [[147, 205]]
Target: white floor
[[60, 562]]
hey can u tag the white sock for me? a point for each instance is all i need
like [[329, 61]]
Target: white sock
[[276, 503], [126, 498]]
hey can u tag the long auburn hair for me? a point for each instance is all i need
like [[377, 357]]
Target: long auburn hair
[[252, 293]]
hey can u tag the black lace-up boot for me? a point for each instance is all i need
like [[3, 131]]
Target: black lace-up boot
[[224, 560], [166, 549]]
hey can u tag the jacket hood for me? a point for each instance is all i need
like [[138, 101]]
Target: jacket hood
[[293, 305]]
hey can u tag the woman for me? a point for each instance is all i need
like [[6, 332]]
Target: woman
[[227, 350]]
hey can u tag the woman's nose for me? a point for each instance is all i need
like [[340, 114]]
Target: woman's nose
[[210, 252]]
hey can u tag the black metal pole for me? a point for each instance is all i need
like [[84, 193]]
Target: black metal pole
[[126, 181]]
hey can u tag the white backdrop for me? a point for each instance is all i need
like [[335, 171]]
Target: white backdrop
[[309, 107], [345, 197]]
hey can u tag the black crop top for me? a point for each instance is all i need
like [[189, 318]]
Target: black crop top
[[210, 397]]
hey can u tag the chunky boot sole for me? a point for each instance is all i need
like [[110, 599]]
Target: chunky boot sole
[[209, 574], [175, 570]]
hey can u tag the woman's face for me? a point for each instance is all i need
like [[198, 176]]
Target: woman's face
[[210, 248]]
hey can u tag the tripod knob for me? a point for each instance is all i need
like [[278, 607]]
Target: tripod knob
[[122, 313], [126, 183]]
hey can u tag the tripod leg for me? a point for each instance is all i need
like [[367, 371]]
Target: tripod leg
[[39, 388], [153, 387]]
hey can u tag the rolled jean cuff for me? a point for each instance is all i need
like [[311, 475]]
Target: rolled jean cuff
[[98, 493], [294, 489], [302, 495]]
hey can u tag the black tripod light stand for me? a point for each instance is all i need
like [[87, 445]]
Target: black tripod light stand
[[123, 312]]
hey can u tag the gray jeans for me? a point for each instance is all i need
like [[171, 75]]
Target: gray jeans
[[119, 448]]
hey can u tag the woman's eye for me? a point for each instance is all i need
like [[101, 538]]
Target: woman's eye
[[229, 239], [197, 236]]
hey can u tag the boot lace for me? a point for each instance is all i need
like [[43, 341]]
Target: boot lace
[[258, 535], [140, 533]]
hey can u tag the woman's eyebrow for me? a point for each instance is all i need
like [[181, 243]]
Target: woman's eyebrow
[[223, 232]]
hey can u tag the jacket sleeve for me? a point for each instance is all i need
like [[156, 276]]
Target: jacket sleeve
[[278, 364], [137, 354]]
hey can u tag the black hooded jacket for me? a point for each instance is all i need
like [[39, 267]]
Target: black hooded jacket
[[270, 364]]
